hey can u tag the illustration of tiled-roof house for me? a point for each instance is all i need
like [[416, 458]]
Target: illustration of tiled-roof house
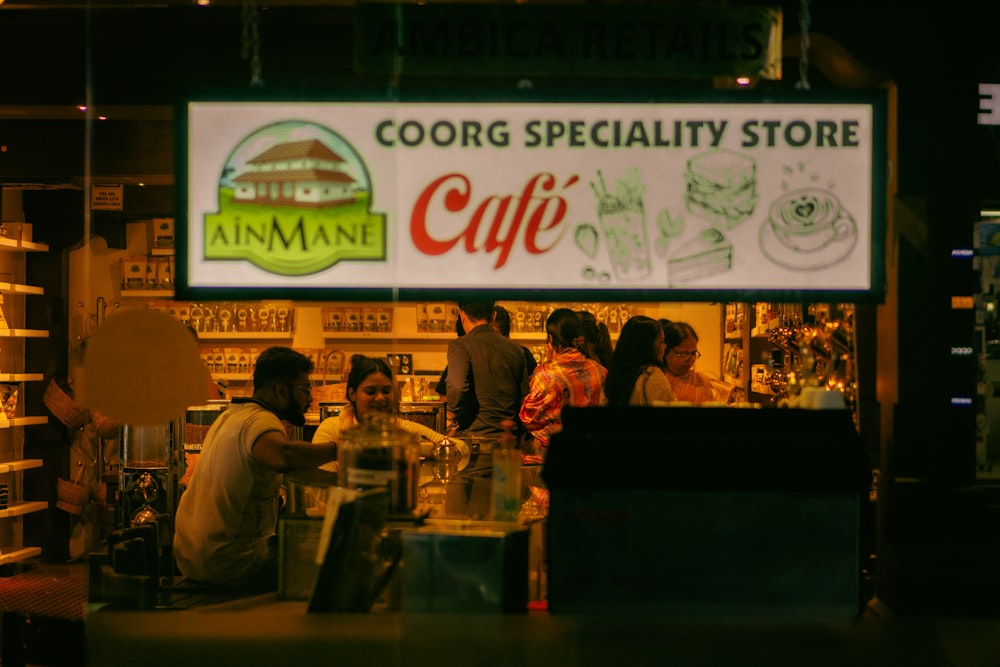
[[299, 173]]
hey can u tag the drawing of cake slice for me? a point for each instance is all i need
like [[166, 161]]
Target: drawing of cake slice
[[706, 254], [721, 187]]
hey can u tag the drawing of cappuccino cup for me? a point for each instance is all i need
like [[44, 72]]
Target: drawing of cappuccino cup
[[808, 220]]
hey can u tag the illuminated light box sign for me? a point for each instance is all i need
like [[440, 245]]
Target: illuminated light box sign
[[702, 200]]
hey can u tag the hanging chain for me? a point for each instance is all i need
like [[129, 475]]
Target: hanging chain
[[804, 23], [250, 42]]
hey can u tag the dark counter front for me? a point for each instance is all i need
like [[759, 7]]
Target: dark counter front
[[706, 512]]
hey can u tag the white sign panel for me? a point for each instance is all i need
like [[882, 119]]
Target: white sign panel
[[540, 196]]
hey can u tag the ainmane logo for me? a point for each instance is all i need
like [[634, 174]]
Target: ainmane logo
[[294, 199]]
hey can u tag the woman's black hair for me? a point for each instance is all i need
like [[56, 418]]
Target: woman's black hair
[[675, 333], [563, 325], [597, 337], [362, 367], [634, 351]]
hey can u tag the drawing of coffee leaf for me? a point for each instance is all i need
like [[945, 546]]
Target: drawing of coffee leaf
[[587, 239], [669, 225]]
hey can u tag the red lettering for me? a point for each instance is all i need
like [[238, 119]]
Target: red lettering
[[544, 214], [455, 199], [537, 223]]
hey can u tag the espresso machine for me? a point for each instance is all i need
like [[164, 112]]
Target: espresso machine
[[149, 466]]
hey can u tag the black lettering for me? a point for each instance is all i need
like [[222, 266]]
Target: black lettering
[[753, 47], [320, 236], [470, 133], [343, 234], [383, 42], [258, 235], [469, 43], [380, 133], [427, 39], [554, 130], [725, 52], [826, 133], [417, 127], [624, 41], [534, 138], [219, 236], [549, 44], [298, 232], [498, 134], [804, 134], [850, 134], [450, 133], [771, 126], [750, 135], [594, 45], [679, 43], [637, 134], [595, 137]]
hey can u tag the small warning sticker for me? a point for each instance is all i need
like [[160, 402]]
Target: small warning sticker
[[106, 197]]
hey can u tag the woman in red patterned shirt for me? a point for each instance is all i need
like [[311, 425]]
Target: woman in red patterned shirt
[[566, 378]]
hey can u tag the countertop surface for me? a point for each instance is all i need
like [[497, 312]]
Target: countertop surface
[[265, 631]]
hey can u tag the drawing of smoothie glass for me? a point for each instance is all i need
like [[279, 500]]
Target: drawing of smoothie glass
[[623, 223]]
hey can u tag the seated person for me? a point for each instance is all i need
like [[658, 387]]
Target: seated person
[[371, 387], [224, 526]]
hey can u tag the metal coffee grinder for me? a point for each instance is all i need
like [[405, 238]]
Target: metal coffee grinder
[[149, 464]]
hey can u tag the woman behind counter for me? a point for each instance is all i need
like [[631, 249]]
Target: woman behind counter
[[371, 387], [567, 377], [678, 366], [597, 338], [636, 376]]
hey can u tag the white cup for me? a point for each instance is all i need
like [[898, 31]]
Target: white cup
[[807, 397], [828, 400]]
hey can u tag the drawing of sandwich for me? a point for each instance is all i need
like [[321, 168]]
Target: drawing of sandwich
[[721, 187]]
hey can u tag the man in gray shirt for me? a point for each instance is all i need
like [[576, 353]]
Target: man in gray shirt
[[487, 375]]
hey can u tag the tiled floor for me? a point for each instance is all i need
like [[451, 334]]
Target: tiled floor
[[43, 607]]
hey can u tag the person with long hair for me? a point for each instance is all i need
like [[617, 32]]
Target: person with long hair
[[371, 387], [566, 378], [597, 338], [678, 365], [636, 374]]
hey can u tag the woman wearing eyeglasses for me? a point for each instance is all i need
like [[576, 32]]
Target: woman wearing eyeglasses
[[678, 364]]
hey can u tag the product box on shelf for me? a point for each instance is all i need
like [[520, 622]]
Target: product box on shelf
[[423, 318], [353, 319], [133, 272], [369, 319], [163, 233], [333, 318], [437, 317]]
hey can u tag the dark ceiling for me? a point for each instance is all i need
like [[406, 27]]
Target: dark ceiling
[[120, 54]]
